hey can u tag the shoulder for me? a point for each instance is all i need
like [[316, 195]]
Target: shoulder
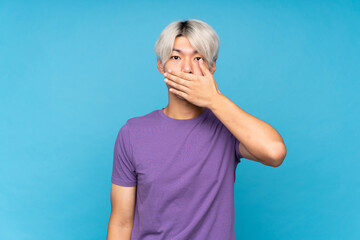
[[135, 125], [142, 121]]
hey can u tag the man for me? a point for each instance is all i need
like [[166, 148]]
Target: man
[[174, 168]]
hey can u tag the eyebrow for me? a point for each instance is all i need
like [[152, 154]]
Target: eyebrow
[[178, 50]]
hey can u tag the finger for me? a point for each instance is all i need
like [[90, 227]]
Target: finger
[[203, 68], [183, 75], [177, 86], [180, 93], [178, 80]]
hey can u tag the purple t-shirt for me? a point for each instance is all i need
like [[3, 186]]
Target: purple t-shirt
[[184, 170]]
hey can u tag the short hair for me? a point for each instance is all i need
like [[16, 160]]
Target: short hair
[[201, 36]]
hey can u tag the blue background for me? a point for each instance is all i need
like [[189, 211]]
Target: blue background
[[72, 73]]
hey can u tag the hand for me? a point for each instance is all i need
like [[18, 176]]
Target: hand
[[199, 90]]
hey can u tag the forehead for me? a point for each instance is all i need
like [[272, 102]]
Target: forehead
[[183, 45]]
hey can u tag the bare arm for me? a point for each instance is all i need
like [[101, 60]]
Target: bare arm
[[258, 140], [122, 212]]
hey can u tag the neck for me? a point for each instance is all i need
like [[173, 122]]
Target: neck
[[180, 108]]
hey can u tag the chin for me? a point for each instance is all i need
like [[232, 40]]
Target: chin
[[179, 96]]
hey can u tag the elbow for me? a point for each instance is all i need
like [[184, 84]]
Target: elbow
[[278, 155]]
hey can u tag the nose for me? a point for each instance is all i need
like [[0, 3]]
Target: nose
[[187, 66]]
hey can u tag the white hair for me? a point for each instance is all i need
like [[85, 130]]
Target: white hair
[[201, 36]]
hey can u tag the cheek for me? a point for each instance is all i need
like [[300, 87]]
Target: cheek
[[173, 66], [198, 71], [176, 66]]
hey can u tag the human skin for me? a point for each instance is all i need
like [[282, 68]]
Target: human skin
[[194, 87], [187, 61]]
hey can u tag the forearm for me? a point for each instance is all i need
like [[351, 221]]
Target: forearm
[[259, 138], [116, 231]]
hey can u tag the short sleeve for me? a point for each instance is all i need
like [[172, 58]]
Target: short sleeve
[[236, 146], [123, 172]]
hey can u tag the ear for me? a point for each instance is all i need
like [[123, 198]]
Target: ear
[[213, 67], [160, 66]]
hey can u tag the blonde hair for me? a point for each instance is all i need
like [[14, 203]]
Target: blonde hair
[[201, 36]]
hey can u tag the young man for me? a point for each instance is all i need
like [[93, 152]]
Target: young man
[[174, 168]]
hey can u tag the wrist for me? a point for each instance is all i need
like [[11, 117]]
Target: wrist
[[216, 102]]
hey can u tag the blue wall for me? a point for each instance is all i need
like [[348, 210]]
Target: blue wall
[[72, 74]]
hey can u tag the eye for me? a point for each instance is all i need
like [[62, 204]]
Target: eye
[[175, 57], [199, 57]]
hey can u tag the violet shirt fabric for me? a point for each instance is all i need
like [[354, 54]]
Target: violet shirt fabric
[[184, 170]]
